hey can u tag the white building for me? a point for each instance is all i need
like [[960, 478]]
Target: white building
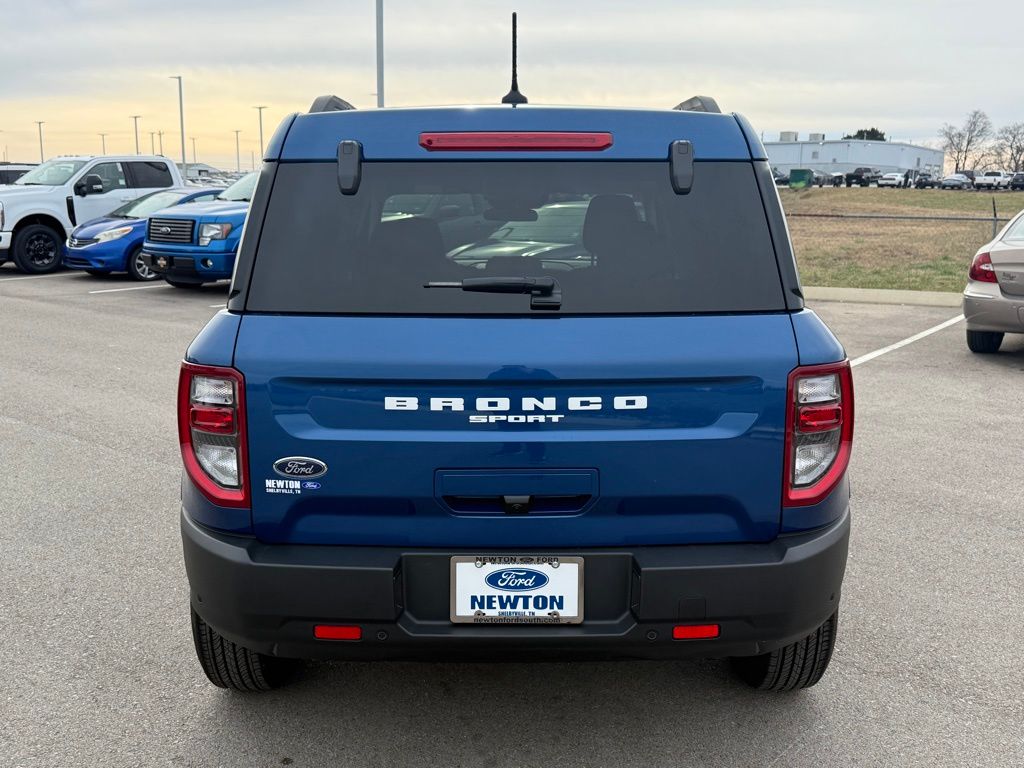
[[844, 155]]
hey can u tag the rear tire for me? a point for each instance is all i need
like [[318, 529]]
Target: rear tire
[[798, 665], [37, 249], [228, 665], [984, 342], [182, 284]]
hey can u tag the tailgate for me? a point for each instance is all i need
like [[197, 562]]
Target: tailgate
[[516, 432]]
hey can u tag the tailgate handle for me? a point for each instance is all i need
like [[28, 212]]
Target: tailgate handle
[[515, 492]]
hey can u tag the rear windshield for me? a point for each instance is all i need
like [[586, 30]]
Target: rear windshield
[[613, 235]]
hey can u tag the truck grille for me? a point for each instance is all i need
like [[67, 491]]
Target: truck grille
[[170, 230]]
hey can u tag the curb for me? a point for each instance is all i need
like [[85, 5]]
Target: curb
[[883, 296]]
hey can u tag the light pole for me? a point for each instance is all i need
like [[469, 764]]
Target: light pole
[[260, 110], [194, 161], [380, 53], [152, 142], [103, 142], [42, 158], [135, 118], [181, 117], [161, 135], [238, 155]]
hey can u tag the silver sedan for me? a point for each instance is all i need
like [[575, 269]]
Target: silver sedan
[[994, 296]]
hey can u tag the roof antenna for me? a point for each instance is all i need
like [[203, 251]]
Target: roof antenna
[[514, 97]]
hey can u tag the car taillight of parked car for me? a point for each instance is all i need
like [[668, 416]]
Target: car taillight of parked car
[[819, 431], [211, 430], [982, 269]]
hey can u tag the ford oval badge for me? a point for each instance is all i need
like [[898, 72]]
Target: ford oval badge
[[300, 466], [516, 579]]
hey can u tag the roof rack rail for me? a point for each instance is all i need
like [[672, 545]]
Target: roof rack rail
[[699, 104], [329, 103]]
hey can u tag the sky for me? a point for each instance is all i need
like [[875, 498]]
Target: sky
[[85, 66]]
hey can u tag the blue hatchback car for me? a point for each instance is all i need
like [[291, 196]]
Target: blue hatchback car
[[113, 243], [594, 419]]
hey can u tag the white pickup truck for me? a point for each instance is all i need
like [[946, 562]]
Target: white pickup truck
[[992, 180], [41, 208]]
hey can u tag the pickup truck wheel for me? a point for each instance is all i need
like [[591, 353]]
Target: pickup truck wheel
[[36, 249], [228, 665], [798, 665], [138, 269], [182, 284], [984, 342]]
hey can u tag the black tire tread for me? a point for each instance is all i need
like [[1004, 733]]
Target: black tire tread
[[229, 665], [984, 342], [792, 667]]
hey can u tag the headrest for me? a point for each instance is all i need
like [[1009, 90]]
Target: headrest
[[610, 218]]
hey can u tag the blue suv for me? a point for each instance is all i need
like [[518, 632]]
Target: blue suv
[[597, 423], [113, 243], [198, 245]]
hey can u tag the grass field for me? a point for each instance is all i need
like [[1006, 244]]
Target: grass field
[[873, 253]]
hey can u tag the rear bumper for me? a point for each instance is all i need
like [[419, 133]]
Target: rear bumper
[[269, 597], [986, 308]]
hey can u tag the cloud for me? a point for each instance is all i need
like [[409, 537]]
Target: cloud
[[85, 66]]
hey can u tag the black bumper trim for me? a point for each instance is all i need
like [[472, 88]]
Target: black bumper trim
[[268, 597]]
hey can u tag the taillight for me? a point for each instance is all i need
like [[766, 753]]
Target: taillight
[[211, 430], [819, 431], [982, 269]]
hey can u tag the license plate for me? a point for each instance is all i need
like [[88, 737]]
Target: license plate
[[527, 589]]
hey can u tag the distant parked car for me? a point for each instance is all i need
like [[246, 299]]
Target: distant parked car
[[992, 180], [956, 181], [113, 243], [1017, 182], [925, 181], [894, 180], [862, 177], [11, 172]]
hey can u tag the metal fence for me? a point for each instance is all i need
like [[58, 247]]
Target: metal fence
[[917, 252]]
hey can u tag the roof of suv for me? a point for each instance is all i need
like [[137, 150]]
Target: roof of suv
[[393, 134]]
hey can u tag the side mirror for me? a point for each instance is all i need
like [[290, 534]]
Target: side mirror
[[447, 212], [92, 184]]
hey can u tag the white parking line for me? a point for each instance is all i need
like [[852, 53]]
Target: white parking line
[[221, 305], [36, 277], [133, 288], [906, 341]]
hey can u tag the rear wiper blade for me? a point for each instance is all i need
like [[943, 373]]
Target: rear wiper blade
[[545, 293]]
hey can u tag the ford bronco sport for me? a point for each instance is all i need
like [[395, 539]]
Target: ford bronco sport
[[601, 425]]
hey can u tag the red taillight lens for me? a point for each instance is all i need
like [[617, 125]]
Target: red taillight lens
[[211, 431], [695, 632], [819, 431], [982, 269], [516, 141], [213, 419], [337, 632]]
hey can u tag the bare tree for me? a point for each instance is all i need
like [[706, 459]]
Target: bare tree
[[1009, 147], [969, 143]]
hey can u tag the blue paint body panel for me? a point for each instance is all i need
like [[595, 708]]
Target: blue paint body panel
[[816, 342], [215, 344], [701, 464], [393, 134]]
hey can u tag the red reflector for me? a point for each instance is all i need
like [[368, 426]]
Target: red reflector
[[337, 632], [818, 418], [519, 141], [982, 269], [695, 632], [210, 418]]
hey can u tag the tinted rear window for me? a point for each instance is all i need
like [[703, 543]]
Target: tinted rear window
[[613, 234]]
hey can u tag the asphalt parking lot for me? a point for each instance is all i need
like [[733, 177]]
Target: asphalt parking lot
[[98, 663]]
